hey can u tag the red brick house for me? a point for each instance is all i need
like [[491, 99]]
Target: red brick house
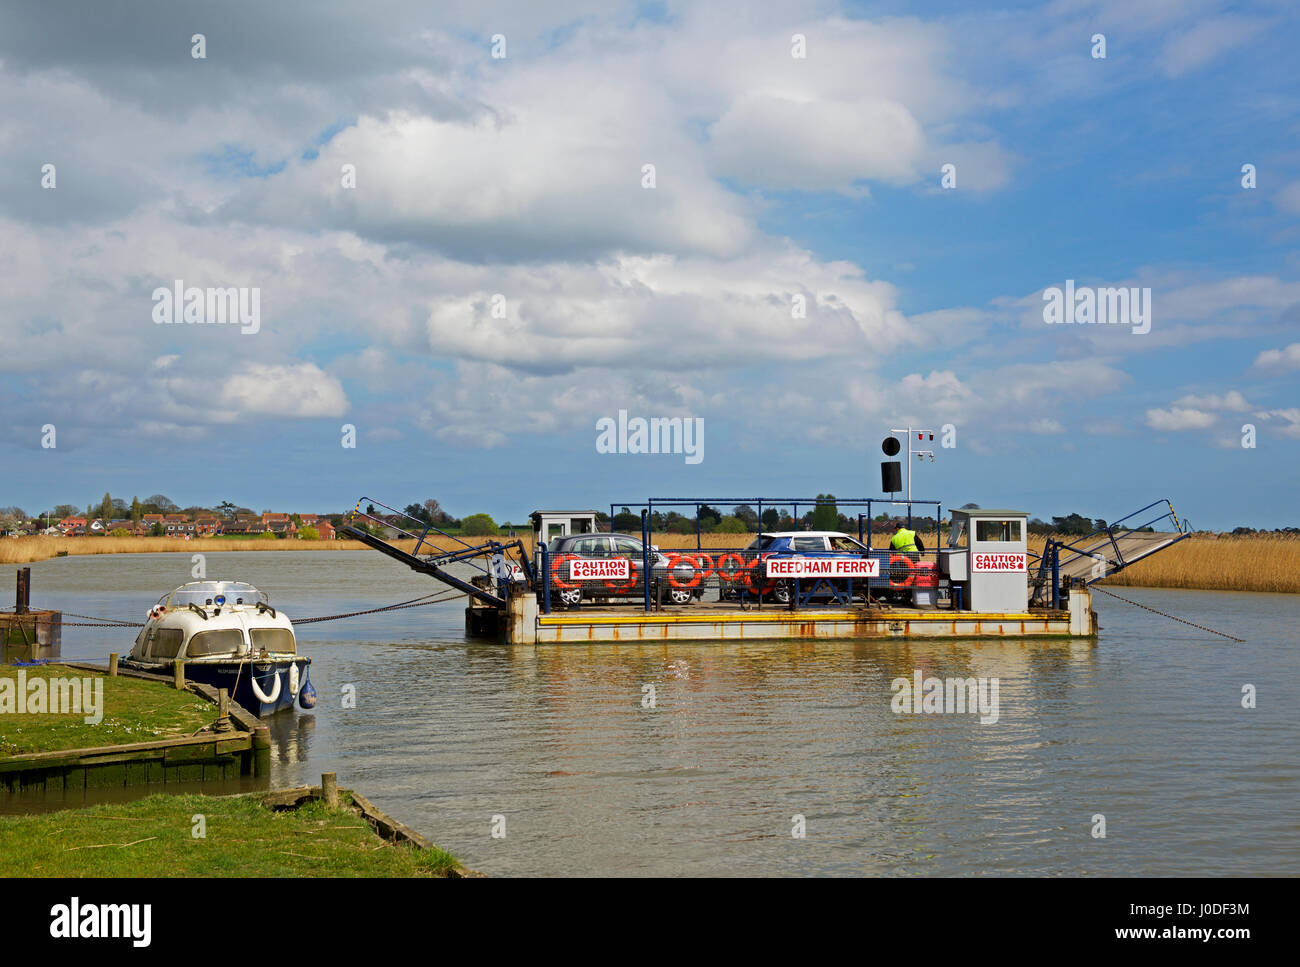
[[279, 524]]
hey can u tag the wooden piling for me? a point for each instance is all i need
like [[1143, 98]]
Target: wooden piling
[[329, 789], [112, 664], [23, 593], [178, 674]]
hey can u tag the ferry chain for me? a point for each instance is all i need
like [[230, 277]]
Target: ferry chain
[[95, 622], [1164, 615]]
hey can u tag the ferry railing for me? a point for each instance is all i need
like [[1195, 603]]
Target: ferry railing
[[648, 507], [682, 577]]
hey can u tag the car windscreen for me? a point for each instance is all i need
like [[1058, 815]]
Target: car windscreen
[[761, 543]]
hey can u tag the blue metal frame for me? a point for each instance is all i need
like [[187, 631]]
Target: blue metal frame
[[647, 512]]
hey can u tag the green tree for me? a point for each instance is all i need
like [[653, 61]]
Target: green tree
[[771, 517], [626, 521], [106, 508], [825, 517], [136, 510], [309, 534], [156, 529], [227, 509], [732, 525], [479, 525]]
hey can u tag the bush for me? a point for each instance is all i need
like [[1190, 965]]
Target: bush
[[308, 534], [731, 525], [479, 525]]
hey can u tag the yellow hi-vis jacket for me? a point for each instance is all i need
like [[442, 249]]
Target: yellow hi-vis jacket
[[904, 540]]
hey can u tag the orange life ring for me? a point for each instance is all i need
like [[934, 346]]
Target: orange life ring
[[754, 580], [704, 564], [722, 574], [907, 566], [627, 585], [673, 561], [556, 580]]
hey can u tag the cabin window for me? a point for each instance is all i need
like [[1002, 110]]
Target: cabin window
[[225, 641], [998, 531], [166, 643], [273, 639]]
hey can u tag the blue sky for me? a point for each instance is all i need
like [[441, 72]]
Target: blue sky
[[775, 176]]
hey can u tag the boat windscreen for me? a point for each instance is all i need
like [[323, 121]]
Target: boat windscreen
[[273, 640], [207, 593], [222, 641]]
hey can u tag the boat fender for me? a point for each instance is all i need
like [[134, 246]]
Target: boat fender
[[307, 697], [257, 690], [293, 680]]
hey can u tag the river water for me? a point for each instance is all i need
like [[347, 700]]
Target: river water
[[1144, 727]]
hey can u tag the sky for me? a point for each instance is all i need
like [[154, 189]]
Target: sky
[[455, 257]]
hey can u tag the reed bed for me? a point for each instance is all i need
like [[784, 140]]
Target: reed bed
[[1268, 562]]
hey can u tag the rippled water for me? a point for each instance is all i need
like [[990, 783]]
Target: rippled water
[[1145, 727]]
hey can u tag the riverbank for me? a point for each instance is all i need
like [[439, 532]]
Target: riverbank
[[156, 837], [1207, 562], [132, 710]]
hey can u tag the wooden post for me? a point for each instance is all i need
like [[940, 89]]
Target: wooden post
[[222, 723], [23, 593], [178, 672], [112, 664], [329, 789]]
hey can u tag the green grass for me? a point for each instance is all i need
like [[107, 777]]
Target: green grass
[[153, 837], [133, 710]]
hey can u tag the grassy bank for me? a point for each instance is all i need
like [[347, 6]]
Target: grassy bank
[[133, 710], [153, 837]]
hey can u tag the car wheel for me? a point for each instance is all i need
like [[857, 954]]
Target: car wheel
[[571, 597], [783, 592], [680, 595]]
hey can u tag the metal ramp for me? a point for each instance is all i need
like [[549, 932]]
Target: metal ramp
[[492, 575], [1098, 555]]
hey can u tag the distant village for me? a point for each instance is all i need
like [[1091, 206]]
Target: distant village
[[306, 526]]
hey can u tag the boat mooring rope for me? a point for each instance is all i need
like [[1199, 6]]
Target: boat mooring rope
[[436, 598], [413, 603], [1164, 615]]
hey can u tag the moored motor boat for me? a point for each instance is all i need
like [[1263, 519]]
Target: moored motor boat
[[228, 636]]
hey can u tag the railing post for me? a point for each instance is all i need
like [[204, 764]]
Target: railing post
[[645, 554], [544, 561], [1056, 575]]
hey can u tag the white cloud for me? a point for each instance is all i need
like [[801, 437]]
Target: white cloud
[[1232, 401], [1211, 37], [1286, 358], [299, 391], [1175, 419], [765, 139]]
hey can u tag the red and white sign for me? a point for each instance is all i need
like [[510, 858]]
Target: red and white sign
[[986, 563], [823, 567], [600, 569]]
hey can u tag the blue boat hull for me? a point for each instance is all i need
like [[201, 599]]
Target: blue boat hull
[[237, 681]]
